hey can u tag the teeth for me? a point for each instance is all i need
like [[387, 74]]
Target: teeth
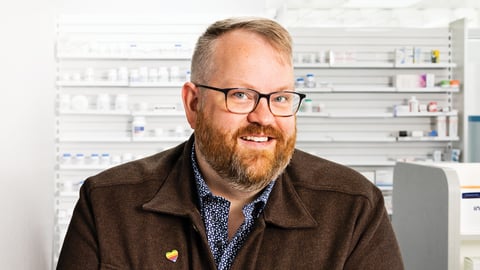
[[256, 139]]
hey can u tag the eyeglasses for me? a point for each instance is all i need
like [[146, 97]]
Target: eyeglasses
[[245, 100]]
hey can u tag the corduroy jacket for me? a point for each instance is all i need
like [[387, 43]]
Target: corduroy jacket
[[144, 215]]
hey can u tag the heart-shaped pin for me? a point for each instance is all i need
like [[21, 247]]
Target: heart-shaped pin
[[172, 255]]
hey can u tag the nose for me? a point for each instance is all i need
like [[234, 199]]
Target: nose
[[262, 114]]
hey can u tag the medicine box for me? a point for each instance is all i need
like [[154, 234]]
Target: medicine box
[[404, 55], [409, 81]]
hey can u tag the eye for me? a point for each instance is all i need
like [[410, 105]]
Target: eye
[[281, 98], [242, 95], [239, 95]]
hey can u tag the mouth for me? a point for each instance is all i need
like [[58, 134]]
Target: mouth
[[257, 139]]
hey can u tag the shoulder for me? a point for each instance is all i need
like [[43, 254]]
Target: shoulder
[[152, 168], [313, 173]]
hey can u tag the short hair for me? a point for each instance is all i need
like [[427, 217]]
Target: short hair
[[273, 32]]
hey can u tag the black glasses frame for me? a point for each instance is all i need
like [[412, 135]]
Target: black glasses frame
[[260, 95]]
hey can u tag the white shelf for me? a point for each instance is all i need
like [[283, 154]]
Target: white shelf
[[363, 88], [131, 56], [362, 162], [429, 90], [375, 65], [363, 139], [428, 139], [94, 112], [159, 113], [361, 115], [312, 138], [300, 114], [313, 114], [93, 83], [427, 65], [311, 65], [156, 84], [385, 188], [123, 139], [160, 139], [346, 114], [119, 84], [362, 65], [93, 139], [426, 114], [346, 65], [378, 89], [97, 167], [316, 90], [374, 114], [68, 194]]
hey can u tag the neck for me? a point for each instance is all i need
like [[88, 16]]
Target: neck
[[223, 187]]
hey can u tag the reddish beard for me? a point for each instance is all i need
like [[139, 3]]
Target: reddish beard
[[245, 169]]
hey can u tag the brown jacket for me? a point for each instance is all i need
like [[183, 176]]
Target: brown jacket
[[320, 215]]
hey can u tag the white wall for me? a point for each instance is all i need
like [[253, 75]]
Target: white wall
[[473, 68], [26, 136]]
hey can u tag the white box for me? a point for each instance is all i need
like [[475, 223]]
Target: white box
[[409, 81], [470, 211], [429, 80]]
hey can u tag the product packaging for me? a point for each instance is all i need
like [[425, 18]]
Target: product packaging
[[441, 126], [413, 104]]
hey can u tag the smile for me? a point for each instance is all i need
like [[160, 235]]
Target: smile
[[255, 139]]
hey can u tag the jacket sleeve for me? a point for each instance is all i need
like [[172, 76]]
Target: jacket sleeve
[[80, 248], [377, 247]]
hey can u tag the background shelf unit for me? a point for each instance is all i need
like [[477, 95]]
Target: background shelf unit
[[356, 126], [86, 54], [355, 95]]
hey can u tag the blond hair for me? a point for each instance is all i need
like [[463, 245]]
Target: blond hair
[[273, 32]]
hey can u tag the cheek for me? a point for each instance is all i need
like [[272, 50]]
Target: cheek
[[287, 126]]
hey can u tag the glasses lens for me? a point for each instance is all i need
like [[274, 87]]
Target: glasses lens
[[284, 103], [241, 100]]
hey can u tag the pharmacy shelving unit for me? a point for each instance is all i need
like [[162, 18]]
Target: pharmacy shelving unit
[[437, 214], [355, 125], [355, 118], [145, 60]]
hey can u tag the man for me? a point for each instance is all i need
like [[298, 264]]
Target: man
[[237, 195]]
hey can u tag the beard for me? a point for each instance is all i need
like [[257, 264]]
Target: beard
[[245, 169]]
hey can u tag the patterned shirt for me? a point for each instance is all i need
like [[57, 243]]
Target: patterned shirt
[[214, 211]]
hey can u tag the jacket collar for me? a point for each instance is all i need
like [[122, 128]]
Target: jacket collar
[[178, 196], [285, 208]]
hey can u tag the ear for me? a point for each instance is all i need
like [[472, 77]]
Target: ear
[[191, 97]]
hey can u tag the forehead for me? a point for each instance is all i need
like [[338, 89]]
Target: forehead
[[240, 41], [247, 59]]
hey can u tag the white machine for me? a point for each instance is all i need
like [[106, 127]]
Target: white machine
[[436, 214]]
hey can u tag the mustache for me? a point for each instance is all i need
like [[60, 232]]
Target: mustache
[[259, 129]]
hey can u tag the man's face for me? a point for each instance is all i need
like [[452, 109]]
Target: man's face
[[250, 149]]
